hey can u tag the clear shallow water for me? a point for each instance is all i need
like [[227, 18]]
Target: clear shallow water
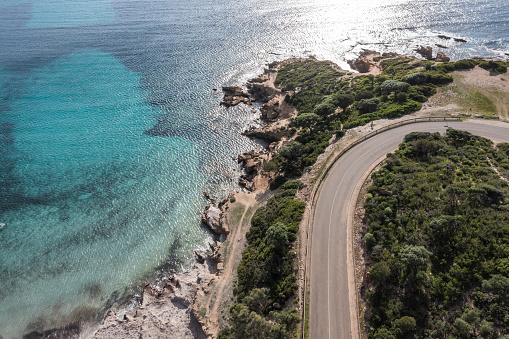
[[110, 130]]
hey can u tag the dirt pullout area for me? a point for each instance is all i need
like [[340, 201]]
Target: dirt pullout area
[[476, 92]]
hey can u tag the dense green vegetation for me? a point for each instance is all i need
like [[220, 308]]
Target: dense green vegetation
[[494, 66], [330, 102], [266, 281], [437, 239]]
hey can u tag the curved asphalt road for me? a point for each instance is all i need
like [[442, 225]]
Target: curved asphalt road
[[331, 244]]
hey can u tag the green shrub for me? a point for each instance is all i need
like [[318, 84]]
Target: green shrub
[[291, 150], [465, 64], [368, 105], [446, 67], [380, 272], [436, 224], [415, 256], [441, 79], [291, 185], [344, 100], [277, 182], [494, 66], [389, 86], [305, 119], [364, 95], [406, 324], [324, 109], [401, 97], [418, 78]]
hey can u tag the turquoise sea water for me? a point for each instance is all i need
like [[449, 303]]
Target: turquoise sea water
[[110, 130]]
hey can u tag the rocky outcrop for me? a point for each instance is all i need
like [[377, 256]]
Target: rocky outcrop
[[212, 254], [361, 64], [270, 110], [234, 96], [252, 163], [211, 217], [163, 312], [426, 52], [441, 57], [261, 92]]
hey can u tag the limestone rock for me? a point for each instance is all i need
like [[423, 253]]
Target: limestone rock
[[426, 52], [262, 93], [441, 57], [361, 64], [270, 110], [164, 312], [234, 95], [211, 217]]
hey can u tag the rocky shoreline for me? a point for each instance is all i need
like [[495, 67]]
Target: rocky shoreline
[[174, 308]]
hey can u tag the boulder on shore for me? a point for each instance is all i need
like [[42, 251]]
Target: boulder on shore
[[441, 57], [426, 52], [211, 217], [361, 64]]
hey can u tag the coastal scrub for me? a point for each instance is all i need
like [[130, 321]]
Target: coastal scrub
[[436, 239]]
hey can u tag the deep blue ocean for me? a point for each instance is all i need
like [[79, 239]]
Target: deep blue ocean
[[110, 130]]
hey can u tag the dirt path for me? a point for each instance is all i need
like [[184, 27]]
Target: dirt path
[[212, 307], [237, 245]]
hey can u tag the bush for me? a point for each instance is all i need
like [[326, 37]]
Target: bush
[[305, 119], [426, 89], [292, 184], [465, 64], [494, 66], [401, 97], [418, 78], [406, 324], [395, 110], [415, 256], [380, 272], [370, 240], [441, 79], [368, 105], [364, 95], [418, 135], [324, 109], [390, 86], [446, 67], [440, 231], [462, 327], [278, 181], [291, 150], [344, 100]]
